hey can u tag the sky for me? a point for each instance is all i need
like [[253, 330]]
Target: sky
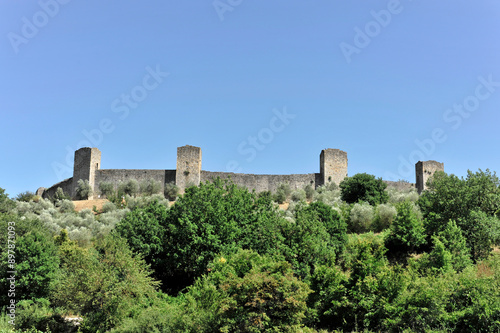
[[261, 86]]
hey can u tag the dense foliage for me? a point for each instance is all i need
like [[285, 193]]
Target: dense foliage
[[364, 187], [223, 259], [473, 203]]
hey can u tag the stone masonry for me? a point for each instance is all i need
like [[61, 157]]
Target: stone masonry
[[332, 168], [425, 170], [87, 162], [188, 170]]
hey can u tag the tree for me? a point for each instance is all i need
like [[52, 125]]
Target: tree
[[6, 204], [308, 241], [106, 188], [472, 203], [59, 195], [83, 189], [105, 283], [26, 196], [130, 187], [481, 232], [207, 220], [407, 230], [333, 222], [144, 229], [150, 187], [364, 187], [283, 192], [439, 259], [171, 191], [252, 293], [455, 242], [36, 261], [360, 217]]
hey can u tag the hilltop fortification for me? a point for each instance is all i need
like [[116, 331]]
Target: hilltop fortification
[[332, 168]]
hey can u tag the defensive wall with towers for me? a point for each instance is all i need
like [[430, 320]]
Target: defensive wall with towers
[[333, 168]]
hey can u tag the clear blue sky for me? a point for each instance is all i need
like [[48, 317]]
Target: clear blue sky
[[373, 78]]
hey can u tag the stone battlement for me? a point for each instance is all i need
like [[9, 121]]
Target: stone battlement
[[333, 168]]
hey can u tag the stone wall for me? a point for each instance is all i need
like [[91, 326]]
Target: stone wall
[[400, 185], [333, 168], [117, 176], [66, 185], [261, 183], [424, 171]]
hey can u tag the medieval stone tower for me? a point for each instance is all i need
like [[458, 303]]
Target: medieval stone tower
[[425, 170], [332, 166], [188, 167], [87, 161]]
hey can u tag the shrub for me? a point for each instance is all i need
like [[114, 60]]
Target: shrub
[[438, 260], [106, 189], [171, 191], [150, 187], [329, 197], [66, 206], [83, 189], [108, 207], [361, 217], [60, 195], [130, 187], [111, 218], [26, 196], [309, 189], [298, 195], [364, 187], [282, 193], [38, 317], [384, 215], [329, 186], [143, 201], [397, 195]]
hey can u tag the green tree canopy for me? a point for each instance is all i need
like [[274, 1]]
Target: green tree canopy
[[103, 283], [407, 230], [36, 260], [473, 202], [207, 220], [364, 187]]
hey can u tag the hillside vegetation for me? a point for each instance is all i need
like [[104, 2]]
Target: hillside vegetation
[[358, 257]]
